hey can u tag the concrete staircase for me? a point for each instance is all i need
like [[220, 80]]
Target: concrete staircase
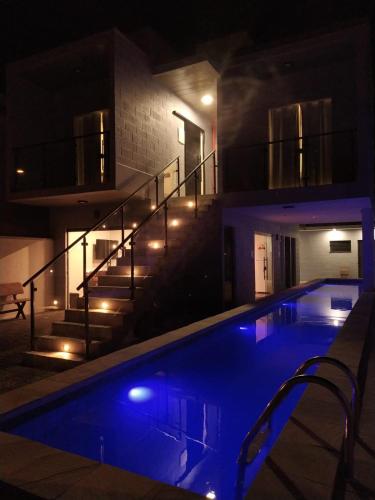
[[113, 315]]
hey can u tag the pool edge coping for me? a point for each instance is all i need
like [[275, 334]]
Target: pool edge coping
[[29, 396]]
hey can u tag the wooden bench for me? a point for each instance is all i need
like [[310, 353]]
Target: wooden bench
[[8, 296]]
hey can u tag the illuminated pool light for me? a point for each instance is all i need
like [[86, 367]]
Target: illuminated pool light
[[336, 322], [140, 394], [243, 328], [211, 495]]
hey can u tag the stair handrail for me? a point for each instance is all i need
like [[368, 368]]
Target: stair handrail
[[355, 400], [134, 232], [99, 223], [284, 390], [119, 208]]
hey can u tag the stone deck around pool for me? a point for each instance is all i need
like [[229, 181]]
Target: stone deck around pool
[[302, 464]]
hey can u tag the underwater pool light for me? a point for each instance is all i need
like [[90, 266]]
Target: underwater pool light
[[140, 394], [211, 495]]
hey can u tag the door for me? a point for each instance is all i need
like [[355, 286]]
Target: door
[[263, 264], [193, 156]]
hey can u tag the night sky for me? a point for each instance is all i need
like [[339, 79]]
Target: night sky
[[29, 26]]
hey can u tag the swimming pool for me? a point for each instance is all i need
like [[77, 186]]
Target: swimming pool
[[180, 416]]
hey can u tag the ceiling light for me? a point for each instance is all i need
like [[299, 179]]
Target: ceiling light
[[207, 99]]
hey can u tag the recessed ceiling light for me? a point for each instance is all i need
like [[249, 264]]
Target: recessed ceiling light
[[207, 99]]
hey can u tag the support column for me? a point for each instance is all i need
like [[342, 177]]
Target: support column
[[368, 248]]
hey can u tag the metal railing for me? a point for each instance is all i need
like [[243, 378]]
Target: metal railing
[[81, 160], [119, 210], [198, 177], [285, 389], [355, 400], [310, 160]]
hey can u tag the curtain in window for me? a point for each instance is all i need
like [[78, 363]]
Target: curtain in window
[[294, 161]]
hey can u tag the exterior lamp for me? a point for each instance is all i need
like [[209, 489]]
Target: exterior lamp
[[207, 99]]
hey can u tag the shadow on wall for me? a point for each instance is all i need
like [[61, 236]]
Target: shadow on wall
[[20, 258]]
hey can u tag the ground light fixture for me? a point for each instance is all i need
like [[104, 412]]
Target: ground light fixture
[[207, 99]]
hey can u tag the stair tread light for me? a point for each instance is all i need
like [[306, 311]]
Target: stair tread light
[[104, 305], [207, 99]]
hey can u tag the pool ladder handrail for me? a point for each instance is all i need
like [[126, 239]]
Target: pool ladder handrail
[[356, 400], [284, 390]]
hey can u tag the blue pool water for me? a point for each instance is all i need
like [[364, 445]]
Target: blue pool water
[[180, 416]]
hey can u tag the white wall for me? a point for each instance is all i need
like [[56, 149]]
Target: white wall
[[316, 261], [245, 226], [20, 258]]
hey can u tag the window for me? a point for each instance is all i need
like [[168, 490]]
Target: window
[[300, 149], [342, 246]]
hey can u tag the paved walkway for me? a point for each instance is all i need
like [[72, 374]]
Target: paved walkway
[[14, 340], [363, 487]]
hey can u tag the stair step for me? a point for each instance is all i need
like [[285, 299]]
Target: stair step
[[113, 280], [77, 330], [140, 260], [109, 292], [70, 345], [52, 360], [97, 317], [112, 304], [126, 270]]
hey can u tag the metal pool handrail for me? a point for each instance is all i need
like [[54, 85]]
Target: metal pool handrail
[[277, 399], [355, 401]]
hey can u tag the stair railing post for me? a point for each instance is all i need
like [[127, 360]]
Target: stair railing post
[[178, 176], [214, 172], [165, 228], [196, 193], [132, 281], [86, 298], [122, 231], [32, 315], [156, 190]]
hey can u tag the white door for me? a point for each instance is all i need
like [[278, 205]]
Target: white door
[[263, 263]]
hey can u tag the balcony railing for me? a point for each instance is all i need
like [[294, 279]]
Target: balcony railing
[[76, 161], [313, 160]]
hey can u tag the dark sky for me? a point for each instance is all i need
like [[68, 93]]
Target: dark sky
[[28, 26]]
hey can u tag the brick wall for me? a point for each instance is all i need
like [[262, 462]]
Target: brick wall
[[145, 128]]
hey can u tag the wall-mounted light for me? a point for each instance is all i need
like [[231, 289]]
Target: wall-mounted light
[[104, 305], [103, 226], [20, 171], [174, 223], [153, 207], [134, 225], [190, 204], [207, 99], [51, 271], [55, 302], [66, 347], [154, 244]]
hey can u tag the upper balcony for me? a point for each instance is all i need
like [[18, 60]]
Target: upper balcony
[[59, 122], [306, 161]]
